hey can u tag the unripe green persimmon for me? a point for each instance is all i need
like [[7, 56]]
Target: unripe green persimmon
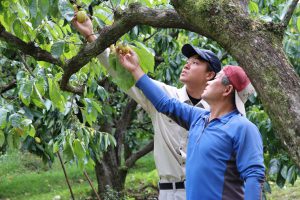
[[81, 16], [37, 140]]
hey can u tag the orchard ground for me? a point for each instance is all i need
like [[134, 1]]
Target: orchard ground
[[25, 177]]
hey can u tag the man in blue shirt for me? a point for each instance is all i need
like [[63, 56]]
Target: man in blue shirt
[[225, 151]]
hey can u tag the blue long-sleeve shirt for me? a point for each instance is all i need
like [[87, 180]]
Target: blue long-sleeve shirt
[[224, 156]]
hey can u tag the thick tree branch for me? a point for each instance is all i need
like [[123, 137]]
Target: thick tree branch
[[124, 22], [7, 87], [135, 156], [289, 13], [122, 125], [27, 48]]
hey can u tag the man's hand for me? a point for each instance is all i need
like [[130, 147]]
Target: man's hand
[[85, 28], [130, 61]]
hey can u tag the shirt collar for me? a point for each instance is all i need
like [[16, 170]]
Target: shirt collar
[[225, 118], [184, 97]]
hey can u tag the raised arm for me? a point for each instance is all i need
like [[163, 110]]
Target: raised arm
[[86, 30], [182, 113]]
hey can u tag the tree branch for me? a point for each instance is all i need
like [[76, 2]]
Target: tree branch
[[25, 65], [135, 156], [7, 87], [289, 13], [124, 22], [123, 123], [28, 48]]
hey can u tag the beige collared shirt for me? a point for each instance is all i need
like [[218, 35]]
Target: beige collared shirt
[[170, 139]]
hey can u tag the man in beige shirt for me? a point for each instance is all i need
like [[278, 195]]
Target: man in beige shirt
[[170, 139]]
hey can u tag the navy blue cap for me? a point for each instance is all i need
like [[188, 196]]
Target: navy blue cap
[[206, 55]]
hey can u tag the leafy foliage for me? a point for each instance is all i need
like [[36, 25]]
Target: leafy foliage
[[38, 116]]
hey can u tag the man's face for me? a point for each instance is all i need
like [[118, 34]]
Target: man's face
[[194, 72], [214, 89]]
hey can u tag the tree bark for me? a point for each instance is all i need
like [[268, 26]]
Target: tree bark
[[257, 46], [109, 173]]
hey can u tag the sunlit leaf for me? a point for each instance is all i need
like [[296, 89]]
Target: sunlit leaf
[[78, 149], [55, 95], [253, 7], [3, 116], [18, 28]]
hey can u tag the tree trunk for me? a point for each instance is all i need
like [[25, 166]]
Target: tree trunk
[[257, 46], [109, 173]]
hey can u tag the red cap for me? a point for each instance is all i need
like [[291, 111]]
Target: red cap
[[237, 77], [242, 85]]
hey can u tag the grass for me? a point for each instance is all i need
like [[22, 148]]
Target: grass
[[289, 192], [25, 177]]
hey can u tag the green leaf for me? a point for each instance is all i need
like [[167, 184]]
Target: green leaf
[[102, 93], [146, 56], [97, 106], [298, 24], [15, 120], [36, 98], [280, 181], [274, 167], [40, 85], [26, 122], [57, 49], [33, 8], [90, 164], [122, 77], [78, 149], [17, 28], [37, 20], [106, 140], [112, 140], [267, 187], [55, 147], [48, 104], [31, 131], [291, 175], [66, 9], [88, 104], [3, 116], [68, 149], [284, 171], [2, 138], [25, 92], [253, 7], [44, 6], [57, 99]]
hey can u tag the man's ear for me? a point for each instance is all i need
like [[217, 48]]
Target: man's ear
[[210, 75], [228, 90]]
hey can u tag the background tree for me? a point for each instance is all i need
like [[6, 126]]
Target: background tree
[[55, 97]]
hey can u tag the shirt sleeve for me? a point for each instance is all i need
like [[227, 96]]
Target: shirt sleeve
[[183, 114], [250, 162]]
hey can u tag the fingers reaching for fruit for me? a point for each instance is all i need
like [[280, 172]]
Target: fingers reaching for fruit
[[127, 57], [83, 24]]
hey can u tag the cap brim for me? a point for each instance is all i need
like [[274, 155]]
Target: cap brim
[[189, 51], [242, 96], [240, 106]]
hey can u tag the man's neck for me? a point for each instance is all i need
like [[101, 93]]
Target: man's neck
[[195, 92], [219, 109]]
